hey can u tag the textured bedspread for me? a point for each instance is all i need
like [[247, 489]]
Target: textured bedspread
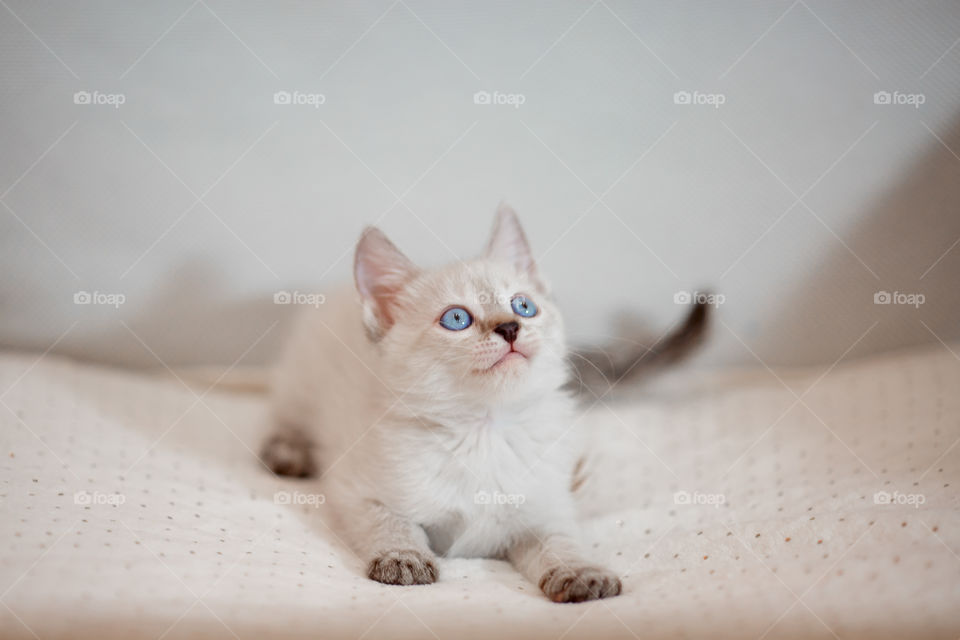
[[804, 505]]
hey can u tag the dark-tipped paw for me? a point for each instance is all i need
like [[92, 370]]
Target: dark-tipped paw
[[403, 566], [288, 456], [576, 584]]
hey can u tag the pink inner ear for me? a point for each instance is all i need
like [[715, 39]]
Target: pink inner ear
[[508, 243], [380, 288], [381, 271]]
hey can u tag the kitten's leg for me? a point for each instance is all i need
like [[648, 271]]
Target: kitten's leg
[[395, 550], [555, 564], [288, 452]]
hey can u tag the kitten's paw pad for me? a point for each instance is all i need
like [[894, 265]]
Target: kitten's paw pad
[[576, 584], [288, 456], [404, 566]]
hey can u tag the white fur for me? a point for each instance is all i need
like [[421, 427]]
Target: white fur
[[419, 444]]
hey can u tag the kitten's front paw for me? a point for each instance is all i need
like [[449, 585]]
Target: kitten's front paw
[[576, 584], [403, 566]]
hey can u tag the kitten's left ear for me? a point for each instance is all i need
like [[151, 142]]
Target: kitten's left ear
[[509, 244], [381, 272]]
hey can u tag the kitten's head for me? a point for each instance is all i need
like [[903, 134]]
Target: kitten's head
[[485, 329]]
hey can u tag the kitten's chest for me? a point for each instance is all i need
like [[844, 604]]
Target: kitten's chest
[[490, 482]]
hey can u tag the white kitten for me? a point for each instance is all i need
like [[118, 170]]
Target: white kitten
[[432, 406]]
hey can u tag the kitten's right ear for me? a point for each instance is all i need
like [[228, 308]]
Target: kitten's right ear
[[509, 244], [381, 271]]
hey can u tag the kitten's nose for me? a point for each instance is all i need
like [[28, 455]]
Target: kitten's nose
[[508, 330]]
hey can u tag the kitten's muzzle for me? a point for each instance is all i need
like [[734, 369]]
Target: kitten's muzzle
[[508, 330]]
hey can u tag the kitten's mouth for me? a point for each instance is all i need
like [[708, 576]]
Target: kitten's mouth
[[509, 356]]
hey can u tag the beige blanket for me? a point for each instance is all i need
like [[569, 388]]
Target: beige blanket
[[794, 504]]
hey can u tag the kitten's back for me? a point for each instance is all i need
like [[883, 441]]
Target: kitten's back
[[325, 380]]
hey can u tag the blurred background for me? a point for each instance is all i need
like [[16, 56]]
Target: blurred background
[[169, 167]]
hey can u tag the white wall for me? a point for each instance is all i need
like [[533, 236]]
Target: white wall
[[102, 198]]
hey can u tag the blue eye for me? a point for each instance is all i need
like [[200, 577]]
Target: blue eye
[[456, 319], [523, 306]]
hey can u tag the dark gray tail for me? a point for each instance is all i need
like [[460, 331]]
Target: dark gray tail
[[602, 370]]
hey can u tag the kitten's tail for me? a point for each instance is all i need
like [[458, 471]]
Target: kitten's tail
[[602, 370]]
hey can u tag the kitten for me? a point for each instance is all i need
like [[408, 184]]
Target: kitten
[[433, 405]]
